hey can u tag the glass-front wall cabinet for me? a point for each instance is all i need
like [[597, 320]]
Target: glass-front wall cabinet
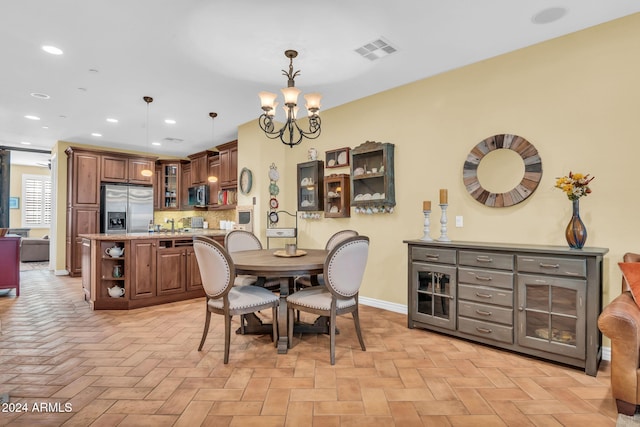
[[170, 186], [311, 186]]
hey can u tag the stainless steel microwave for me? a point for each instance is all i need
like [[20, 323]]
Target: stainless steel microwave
[[199, 195]]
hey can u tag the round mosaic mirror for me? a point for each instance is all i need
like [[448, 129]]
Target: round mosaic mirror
[[531, 172]]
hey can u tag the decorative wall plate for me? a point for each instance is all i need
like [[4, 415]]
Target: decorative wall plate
[[246, 180], [526, 187], [274, 175], [274, 190], [273, 217], [273, 203]]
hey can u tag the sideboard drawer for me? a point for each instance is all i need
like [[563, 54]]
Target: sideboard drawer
[[445, 256], [486, 330], [551, 265], [476, 276], [488, 313], [486, 259], [485, 295]]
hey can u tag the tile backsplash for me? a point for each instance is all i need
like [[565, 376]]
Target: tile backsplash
[[183, 218]]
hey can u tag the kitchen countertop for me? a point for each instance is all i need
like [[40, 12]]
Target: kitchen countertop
[[156, 235]]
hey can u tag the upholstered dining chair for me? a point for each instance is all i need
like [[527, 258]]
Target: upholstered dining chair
[[217, 271], [343, 272], [242, 240], [306, 280]]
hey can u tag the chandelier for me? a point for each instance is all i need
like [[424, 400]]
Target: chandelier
[[290, 134]]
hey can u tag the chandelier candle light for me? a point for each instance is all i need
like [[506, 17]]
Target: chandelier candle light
[[290, 134], [426, 209], [444, 199]]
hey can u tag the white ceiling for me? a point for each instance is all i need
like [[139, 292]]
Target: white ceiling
[[198, 56]]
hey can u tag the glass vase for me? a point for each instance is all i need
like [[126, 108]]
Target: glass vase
[[576, 232]]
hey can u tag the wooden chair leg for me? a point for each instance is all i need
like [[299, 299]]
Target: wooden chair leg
[[206, 329], [332, 337], [289, 326], [356, 320], [227, 337]]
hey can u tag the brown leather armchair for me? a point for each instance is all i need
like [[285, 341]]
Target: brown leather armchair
[[620, 321]]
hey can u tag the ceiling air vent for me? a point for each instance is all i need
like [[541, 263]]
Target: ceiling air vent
[[376, 49], [174, 140]]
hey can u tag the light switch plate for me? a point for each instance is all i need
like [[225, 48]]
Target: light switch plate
[[459, 221]]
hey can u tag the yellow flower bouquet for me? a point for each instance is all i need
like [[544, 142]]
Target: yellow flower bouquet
[[575, 185]]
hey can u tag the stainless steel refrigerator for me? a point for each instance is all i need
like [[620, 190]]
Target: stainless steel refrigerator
[[125, 208]]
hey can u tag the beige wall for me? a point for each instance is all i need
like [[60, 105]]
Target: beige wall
[[575, 98], [15, 215]]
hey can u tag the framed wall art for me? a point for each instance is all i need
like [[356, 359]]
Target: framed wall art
[[14, 202]]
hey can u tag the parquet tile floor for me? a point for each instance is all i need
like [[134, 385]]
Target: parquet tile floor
[[142, 368]]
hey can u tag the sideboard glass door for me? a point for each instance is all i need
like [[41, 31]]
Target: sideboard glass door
[[551, 313], [434, 294]]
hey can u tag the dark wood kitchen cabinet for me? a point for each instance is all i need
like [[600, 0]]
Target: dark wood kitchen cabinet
[[126, 169], [228, 154], [200, 167], [83, 203]]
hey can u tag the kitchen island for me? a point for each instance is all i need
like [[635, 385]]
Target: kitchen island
[[132, 270]]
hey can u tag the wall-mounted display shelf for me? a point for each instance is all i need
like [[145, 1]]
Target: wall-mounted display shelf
[[372, 177], [337, 158], [337, 196]]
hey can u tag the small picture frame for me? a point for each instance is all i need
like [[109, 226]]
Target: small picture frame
[[337, 158], [14, 202]]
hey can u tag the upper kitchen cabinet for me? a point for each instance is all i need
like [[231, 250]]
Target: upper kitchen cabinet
[[214, 185], [170, 184], [228, 155], [185, 183], [200, 167], [372, 177], [126, 169], [83, 177]]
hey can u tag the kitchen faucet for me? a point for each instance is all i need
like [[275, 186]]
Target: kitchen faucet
[[172, 221]]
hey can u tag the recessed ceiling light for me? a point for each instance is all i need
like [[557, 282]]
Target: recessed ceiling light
[[170, 121], [40, 95], [52, 50], [96, 134], [25, 143], [546, 16], [156, 143], [112, 120], [82, 89], [45, 127], [32, 117]]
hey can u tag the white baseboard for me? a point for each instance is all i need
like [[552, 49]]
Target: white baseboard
[[385, 305], [61, 272], [402, 309]]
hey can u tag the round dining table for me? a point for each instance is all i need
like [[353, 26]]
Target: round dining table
[[272, 263]]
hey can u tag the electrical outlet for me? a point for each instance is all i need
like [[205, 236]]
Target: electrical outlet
[[459, 221]]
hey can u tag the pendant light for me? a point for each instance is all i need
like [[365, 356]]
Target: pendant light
[[148, 100], [212, 178]]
